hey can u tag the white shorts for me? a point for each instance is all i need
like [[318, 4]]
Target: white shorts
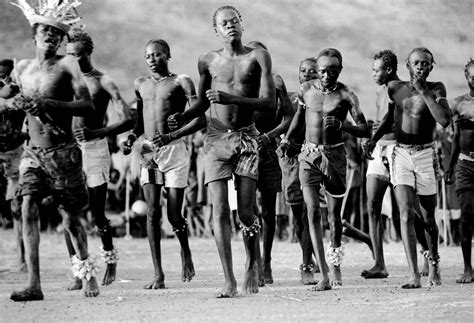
[[96, 161], [168, 165], [415, 166], [379, 166]]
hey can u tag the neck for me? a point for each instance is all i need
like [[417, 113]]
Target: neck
[[234, 48], [160, 74], [44, 55], [86, 67], [471, 93]]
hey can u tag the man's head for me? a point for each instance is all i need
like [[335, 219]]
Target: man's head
[[6, 67], [420, 62], [157, 55], [308, 70], [80, 45], [227, 23], [329, 62], [47, 37], [384, 67], [469, 73]]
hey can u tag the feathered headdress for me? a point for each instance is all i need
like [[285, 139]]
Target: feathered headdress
[[57, 13]]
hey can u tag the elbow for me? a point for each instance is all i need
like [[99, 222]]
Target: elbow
[[445, 122]]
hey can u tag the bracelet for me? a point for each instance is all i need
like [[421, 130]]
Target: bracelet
[[285, 141], [340, 125], [132, 135], [266, 136]]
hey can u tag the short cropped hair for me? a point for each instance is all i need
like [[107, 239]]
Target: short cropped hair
[[76, 36], [388, 58], [256, 43], [331, 52], [313, 60], [422, 50], [161, 42], [225, 7], [468, 65]]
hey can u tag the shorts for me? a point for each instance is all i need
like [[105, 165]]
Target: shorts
[[56, 170], [167, 165], [290, 168], [464, 175], [10, 161], [324, 165], [269, 172], [230, 152], [415, 166], [96, 161], [379, 166]]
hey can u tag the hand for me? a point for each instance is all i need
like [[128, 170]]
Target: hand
[[368, 148], [220, 97], [419, 83], [375, 126], [332, 122], [162, 140], [127, 144], [448, 177], [282, 149], [263, 141], [38, 107], [84, 134], [175, 121]]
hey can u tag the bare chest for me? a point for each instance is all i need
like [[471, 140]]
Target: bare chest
[[53, 81], [235, 71], [465, 109]]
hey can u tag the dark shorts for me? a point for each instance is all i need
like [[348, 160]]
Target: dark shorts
[[464, 176], [230, 152], [324, 165], [57, 171], [269, 172], [290, 168]]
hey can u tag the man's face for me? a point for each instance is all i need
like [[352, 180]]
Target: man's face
[[329, 69], [228, 25], [156, 57], [48, 37], [77, 51], [308, 71], [379, 72], [470, 77], [420, 63]]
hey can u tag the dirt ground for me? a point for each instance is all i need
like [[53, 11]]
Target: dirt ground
[[285, 300]]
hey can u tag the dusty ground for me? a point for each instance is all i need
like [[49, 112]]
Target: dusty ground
[[285, 300]]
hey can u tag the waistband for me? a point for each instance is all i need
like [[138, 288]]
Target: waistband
[[386, 142], [93, 142], [466, 155], [416, 147], [247, 129], [314, 147]]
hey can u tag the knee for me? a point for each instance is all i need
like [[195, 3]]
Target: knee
[[374, 207], [29, 209]]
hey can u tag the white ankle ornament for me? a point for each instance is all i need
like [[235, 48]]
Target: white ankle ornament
[[84, 269]]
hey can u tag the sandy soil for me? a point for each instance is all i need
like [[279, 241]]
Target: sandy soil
[[285, 300]]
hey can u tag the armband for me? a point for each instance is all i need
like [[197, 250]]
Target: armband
[[285, 141], [132, 135]]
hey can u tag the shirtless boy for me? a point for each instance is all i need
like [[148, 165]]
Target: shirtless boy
[[56, 92], [90, 132], [463, 155], [235, 81], [416, 106], [324, 105], [165, 158]]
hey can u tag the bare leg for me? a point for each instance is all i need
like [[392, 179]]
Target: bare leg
[[175, 201], [269, 216], [375, 192], [222, 235], [405, 200], [465, 228], [30, 215], [15, 209], [335, 226], [311, 197], [153, 229], [420, 236], [76, 283], [302, 232]]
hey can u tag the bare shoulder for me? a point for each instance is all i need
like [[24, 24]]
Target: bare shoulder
[[139, 81], [394, 86], [22, 65], [183, 79], [278, 80], [207, 57], [434, 86]]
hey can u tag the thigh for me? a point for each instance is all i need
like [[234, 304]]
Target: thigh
[[246, 189]]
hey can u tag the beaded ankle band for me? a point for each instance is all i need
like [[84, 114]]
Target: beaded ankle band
[[84, 269], [109, 256], [335, 256], [104, 229], [433, 259], [183, 228], [307, 268], [252, 230]]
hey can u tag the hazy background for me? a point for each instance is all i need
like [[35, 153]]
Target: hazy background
[[292, 30]]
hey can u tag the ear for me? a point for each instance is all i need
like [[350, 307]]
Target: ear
[[389, 70]]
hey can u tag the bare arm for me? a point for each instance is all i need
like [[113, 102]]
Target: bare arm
[[360, 129], [435, 100], [287, 108], [455, 149]]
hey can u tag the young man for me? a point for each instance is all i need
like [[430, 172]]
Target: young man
[[271, 124], [292, 186], [54, 92], [416, 106], [165, 158], [463, 155], [234, 82], [90, 132], [324, 105]]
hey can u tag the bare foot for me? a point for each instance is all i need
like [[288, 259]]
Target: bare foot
[[374, 273], [465, 278], [229, 291], [251, 281], [267, 273], [76, 284], [109, 275], [425, 270], [322, 286], [412, 283], [91, 288], [336, 276], [307, 277], [187, 272], [434, 277], [27, 294], [157, 283]]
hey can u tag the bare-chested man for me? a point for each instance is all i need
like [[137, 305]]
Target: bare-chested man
[[324, 105], [234, 82], [165, 158], [91, 133], [55, 92], [271, 124], [463, 155], [416, 106]]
